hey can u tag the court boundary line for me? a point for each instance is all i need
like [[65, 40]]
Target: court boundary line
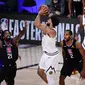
[[24, 67]]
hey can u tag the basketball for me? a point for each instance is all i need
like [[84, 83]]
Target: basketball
[[46, 9]]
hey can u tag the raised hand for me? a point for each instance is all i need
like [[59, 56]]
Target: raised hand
[[43, 10], [26, 24]]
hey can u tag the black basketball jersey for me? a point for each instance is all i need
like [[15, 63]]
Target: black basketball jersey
[[8, 54], [71, 52]]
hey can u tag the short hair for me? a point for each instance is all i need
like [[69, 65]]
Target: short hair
[[4, 32], [55, 20], [70, 32]]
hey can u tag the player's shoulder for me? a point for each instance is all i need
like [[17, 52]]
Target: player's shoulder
[[53, 30], [78, 44], [61, 43]]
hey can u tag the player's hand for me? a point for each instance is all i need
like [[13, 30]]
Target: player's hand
[[43, 10], [69, 16], [82, 74]]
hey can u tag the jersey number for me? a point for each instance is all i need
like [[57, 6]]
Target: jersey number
[[9, 56]]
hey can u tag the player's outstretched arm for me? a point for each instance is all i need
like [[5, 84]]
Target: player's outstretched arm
[[82, 51], [17, 38]]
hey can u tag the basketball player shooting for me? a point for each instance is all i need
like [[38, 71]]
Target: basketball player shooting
[[48, 62]]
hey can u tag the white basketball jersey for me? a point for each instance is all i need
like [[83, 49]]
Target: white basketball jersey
[[49, 44], [83, 19], [83, 23], [84, 31]]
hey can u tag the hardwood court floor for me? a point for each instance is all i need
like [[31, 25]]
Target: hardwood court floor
[[29, 76]]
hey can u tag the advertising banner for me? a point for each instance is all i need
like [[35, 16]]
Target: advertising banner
[[16, 22]]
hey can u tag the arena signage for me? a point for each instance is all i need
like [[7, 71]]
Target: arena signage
[[15, 26], [33, 35]]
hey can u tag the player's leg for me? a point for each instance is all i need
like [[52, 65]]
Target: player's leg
[[51, 66], [1, 76], [62, 75], [10, 75], [51, 76], [42, 67], [62, 80], [66, 70], [42, 74]]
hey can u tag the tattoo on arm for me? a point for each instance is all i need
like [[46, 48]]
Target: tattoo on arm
[[16, 39], [0, 44]]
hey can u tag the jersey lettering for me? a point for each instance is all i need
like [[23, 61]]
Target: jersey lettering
[[9, 52], [70, 53]]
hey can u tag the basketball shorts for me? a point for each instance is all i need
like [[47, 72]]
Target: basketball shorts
[[70, 65], [83, 43], [48, 62]]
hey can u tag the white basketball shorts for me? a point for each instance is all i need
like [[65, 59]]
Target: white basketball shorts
[[49, 62], [83, 43]]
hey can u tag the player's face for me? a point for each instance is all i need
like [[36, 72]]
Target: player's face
[[67, 36], [55, 1], [6, 34], [49, 23]]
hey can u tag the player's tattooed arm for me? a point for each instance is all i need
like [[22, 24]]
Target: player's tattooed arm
[[0, 44], [63, 54], [82, 51], [17, 38]]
